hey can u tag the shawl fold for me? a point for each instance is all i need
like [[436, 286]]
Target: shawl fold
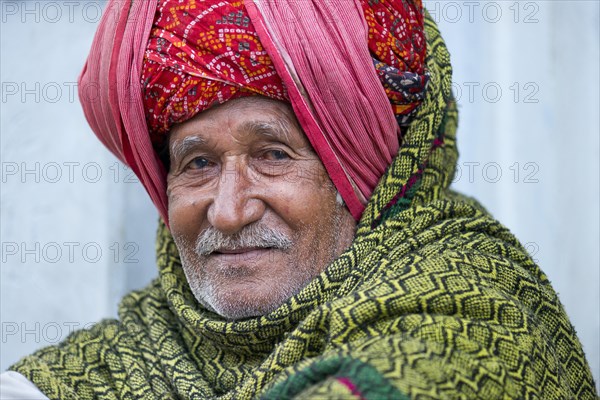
[[433, 299]]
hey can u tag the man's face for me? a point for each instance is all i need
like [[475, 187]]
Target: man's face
[[251, 207]]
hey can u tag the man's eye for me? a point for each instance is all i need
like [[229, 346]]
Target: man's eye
[[199, 163], [276, 155]]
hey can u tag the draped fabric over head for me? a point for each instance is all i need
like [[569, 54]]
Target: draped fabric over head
[[110, 92], [353, 71]]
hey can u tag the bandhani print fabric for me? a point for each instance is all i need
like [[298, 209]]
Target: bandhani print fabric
[[434, 299], [193, 62], [398, 45]]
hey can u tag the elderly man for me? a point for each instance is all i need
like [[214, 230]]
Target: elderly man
[[300, 155]]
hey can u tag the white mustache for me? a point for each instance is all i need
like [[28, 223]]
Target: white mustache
[[251, 236]]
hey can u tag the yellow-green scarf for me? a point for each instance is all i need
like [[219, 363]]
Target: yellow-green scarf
[[434, 299]]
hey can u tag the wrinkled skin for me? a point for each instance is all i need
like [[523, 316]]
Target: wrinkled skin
[[244, 177]]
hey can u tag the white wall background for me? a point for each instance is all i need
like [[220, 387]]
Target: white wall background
[[77, 234]]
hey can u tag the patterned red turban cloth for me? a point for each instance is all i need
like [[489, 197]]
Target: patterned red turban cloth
[[353, 71], [202, 53]]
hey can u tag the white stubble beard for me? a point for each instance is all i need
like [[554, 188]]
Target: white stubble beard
[[212, 293]]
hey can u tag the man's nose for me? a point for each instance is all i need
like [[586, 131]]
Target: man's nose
[[235, 203]]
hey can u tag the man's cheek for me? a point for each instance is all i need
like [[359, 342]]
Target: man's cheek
[[185, 238], [184, 215]]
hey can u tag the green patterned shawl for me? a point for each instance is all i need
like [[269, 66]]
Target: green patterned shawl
[[434, 299]]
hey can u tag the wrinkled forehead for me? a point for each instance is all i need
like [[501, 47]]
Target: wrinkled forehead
[[249, 118]]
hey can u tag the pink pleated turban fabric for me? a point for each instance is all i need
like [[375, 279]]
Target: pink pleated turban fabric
[[353, 72]]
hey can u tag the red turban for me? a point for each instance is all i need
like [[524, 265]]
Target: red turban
[[353, 72]]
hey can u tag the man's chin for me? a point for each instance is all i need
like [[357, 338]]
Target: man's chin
[[237, 288], [243, 300], [236, 306]]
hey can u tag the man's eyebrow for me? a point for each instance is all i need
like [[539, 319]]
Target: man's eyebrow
[[278, 129], [180, 147]]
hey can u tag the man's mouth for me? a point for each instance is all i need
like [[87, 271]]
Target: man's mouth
[[245, 254], [243, 250]]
